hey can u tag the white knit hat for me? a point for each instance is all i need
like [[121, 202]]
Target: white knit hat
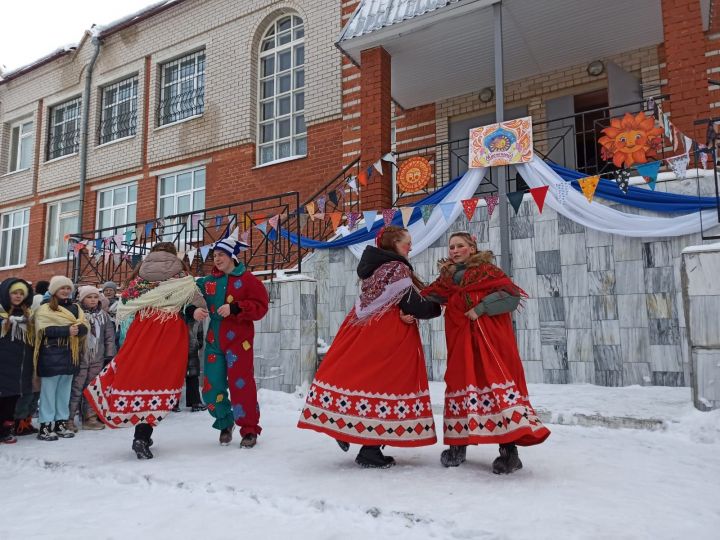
[[57, 282], [230, 246], [87, 290]]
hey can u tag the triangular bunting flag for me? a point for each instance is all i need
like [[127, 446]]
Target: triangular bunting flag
[[370, 171], [469, 206], [388, 215], [390, 157], [516, 199], [117, 259], [539, 194], [180, 255], [676, 138], [427, 210], [352, 219], [118, 240], [204, 250], [148, 229], [128, 236], [194, 220], [679, 165], [363, 178], [649, 171], [447, 209], [191, 255], [98, 256], [98, 244], [135, 260], [492, 202], [262, 227], [378, 166], [352, 183], [335, 218], [622, 179], [370, 216], [273, 221], [218, 222], [303, 220], [688, 144], [106, 257], [310, 209], [589, 185], [332, 196], [701, 149], [340, 193], [245, 237], [561, 191], [321, 204], [407, 212]]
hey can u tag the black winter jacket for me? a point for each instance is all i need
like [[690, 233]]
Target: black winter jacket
[[55, 357], [16, 356]]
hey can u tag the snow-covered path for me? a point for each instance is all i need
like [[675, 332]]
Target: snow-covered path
[[582, 483]]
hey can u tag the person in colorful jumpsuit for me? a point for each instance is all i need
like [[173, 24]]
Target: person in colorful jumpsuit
[[235, 299]]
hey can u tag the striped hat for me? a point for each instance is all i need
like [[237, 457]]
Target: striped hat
[[230, 246]]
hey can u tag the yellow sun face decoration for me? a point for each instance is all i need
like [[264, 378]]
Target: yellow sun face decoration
[[632, 139]]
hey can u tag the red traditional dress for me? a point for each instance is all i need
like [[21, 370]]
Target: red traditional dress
[[486, 397], [143, 383], [372, 386]]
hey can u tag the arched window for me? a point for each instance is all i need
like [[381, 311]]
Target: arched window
[[281, 92]]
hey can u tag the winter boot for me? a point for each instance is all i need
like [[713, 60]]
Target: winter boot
[[71, 426], [46, 433], [6, 433], [344, 446], [508, 462], [371, 457], [198, 407], [142, 449], [61, 428], [226, 435], [24, 427], [453, 456], [248, 441], [93, 424]]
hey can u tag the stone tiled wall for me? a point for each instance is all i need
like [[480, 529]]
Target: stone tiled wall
[[286, 338], [603, 309]]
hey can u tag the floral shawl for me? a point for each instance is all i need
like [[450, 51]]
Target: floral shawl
[[382, 290], [161, 299]]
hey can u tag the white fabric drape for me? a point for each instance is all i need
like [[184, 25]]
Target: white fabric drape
[[597, 216], [424, 235]]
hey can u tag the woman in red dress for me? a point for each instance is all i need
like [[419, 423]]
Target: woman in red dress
[[142, 384], [486, 398], [372, 388]]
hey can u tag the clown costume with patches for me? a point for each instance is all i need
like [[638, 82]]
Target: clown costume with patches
[[235, 298]]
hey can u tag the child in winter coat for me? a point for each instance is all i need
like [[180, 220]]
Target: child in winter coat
[[60, 333], [99, 350], [15, 351]]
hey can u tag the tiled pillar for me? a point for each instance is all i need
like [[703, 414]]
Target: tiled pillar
[[375, 125], [686, 62]]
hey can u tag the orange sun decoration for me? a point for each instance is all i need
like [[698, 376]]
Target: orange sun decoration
[[631, 139]]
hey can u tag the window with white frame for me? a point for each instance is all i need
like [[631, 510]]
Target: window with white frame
[[14, 237], [181, 193], [22, 143], [281, 105], [62, 220], [182, 88], [118, 118], [117, 207]]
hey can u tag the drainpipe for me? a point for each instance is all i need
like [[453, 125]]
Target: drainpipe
[[85, 120]]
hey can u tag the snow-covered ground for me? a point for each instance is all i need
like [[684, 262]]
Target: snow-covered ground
[[584, 482]]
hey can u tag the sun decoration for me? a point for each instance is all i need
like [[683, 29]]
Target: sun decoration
[[631, 139], [413, 174]]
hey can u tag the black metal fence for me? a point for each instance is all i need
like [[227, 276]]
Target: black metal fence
[[113, 253], [117, 126], [176, 107], [63, 143]]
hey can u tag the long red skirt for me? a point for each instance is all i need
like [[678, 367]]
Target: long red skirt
[[372, 386], [144, 381], [486, 397]]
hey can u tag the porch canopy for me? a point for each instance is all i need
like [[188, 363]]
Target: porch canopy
[[445, 48]]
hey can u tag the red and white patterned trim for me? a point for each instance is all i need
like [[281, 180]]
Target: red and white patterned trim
[[490, 415], [372, 419]]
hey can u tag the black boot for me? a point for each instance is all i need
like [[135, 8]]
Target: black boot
[[142, 449], [509, 461], [371, 457], [344, 446], [62, 430], [453, 456], [45, 433]]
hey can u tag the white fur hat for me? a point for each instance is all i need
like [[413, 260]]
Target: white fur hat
[[58, 282]]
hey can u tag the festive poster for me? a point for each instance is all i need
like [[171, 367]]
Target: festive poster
[[631, 139], [501, 144], [413, 174]]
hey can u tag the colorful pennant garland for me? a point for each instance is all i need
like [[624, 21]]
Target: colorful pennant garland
[[649, 171], [492, 202], [589, 185], [369, 216], [539, 194], [516, 199], [407, 212], [427, 211], [622, 179], [469, 206], [679, 164], [388, 215]]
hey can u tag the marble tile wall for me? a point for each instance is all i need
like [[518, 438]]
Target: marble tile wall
[[603, 309]]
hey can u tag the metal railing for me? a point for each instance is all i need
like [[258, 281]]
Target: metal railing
[[63, 144], [117, 126], [112, 253], [180, 106]]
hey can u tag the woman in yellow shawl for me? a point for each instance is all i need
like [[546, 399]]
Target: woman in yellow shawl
[[61, 329]]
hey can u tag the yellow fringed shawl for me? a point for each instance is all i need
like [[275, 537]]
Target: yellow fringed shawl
[[17, 331], [46, 317]]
